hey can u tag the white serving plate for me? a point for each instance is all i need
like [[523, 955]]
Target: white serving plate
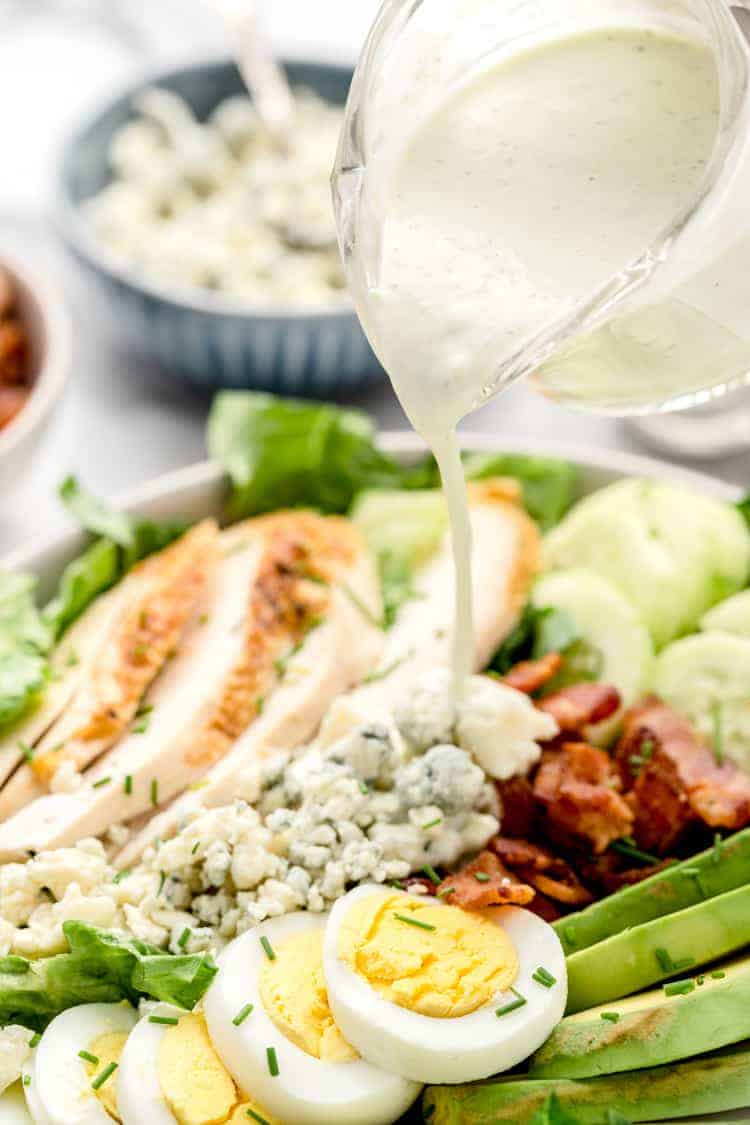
[[199, 490]]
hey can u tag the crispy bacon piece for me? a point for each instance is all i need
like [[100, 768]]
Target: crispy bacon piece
[[606, 873], [531, 675], [519, 808], [544, 870], [578, 787], [575, 707], [675, 777], [484, 882]]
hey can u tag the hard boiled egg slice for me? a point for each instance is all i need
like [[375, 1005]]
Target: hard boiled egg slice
[[439, 994], [13, 1109], [72, 1077], [268, 1017], [170, 1073]]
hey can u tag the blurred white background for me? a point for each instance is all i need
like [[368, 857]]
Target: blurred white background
[[121, 423]]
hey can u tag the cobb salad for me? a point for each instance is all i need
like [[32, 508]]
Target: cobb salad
[[257, 864]]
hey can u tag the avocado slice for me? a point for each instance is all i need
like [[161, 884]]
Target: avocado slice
[[703, 876], [666, 947], [651, 1028], [706, 1084]]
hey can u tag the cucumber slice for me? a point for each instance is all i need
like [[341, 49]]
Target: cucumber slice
[[730, 616], [707, 678], [672, 552], [404, 526], [608, 625]]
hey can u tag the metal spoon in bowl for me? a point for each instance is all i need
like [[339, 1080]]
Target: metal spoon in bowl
[[262, 74]]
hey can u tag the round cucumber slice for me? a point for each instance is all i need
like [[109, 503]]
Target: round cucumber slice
[[730, 616], [407, 526], [608, 624], [707, 678], [672, 552]]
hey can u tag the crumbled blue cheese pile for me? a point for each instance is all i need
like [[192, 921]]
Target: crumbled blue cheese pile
[[371, 804]]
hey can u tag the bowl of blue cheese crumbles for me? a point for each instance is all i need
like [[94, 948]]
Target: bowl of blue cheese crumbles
[[216, 253], [257, 861]]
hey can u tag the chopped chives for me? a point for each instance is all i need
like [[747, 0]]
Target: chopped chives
[[141, 726], [679, 987], [683, 963], [35, 1039], [630, 852], [267, 948], [166, 1021], [27, 1079], [128, 785], [444, 891], [700, 979], [100, 1079], [257, 1117], [195, 847], [718, 844], [432, 874], [121, 875], [273, 1062], [154, 792], [665, 961], [544, 977], [364, 788], [481, 876], [611, 1017], [432, 823], [414, 922], [717, 719], [184, 937], [26, 750], [512, 1005], [162, 881], [88, 1057], [397, 884], [718, 975], [102, 781], [242, 1015]]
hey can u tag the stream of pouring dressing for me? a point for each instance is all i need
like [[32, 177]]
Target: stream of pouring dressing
[[525, 190]]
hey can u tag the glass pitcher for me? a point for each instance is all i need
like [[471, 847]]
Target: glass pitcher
[[666, 326]]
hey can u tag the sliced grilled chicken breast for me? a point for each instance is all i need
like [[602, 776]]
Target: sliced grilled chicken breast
[[277, 597], [155, 602]]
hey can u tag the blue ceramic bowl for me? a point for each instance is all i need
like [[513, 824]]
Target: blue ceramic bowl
[[209, 339]]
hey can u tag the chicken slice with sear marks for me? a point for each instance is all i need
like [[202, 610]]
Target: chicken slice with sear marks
[[278, 591], [152, 607]]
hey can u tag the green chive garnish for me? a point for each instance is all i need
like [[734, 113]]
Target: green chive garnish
[[121, 875], [364, 788], [195, 847], [26, 750], [414, 922], [166, 1021], [102, 781], [626, 849], [432, 823], [162, 881], [273, 1062], [700, 980], [268, 949], [444, 891], [397, 885], [543, 977], [717, 719], [35, 1039], [15, 965], [611, 1017], [257, 1117], [88, 1057], [141, 726], [154, 792], [665, 961], [513, 1005], [481, 876], [27, 1079], [184, 937], [242, 1015], [432, 874], [718, 975], [679, 987], [100, 1079], [128, 786]]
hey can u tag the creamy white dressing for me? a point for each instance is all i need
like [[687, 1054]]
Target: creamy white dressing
[[516, 198]]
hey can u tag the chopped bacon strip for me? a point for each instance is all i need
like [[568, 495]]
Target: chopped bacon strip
[[576, 707], [675, 777], [484, 882], [531, 675], [544, 870], [518, 805], [579, 789], [606, 873]]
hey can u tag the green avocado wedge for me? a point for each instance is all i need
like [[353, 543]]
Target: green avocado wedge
[[675, 945], [706, 1084], [711, 873], [705, 1012]]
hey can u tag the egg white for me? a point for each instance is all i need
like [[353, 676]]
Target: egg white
[[13, 1109], [459, 1049], [139, 1093], [59, 1091], [307, 1090]]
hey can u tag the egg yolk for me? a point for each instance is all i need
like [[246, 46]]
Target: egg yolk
[[195, 1083], [293, 992], [433, 959], [107, 1049]]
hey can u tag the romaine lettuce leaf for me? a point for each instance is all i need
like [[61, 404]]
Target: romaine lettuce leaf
[[99, 967], [83, 579], [25, 639]]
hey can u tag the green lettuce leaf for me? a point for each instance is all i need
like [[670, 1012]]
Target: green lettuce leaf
[[83, 579], [25, 639], [537, 632], [99, 967], [283, 453]]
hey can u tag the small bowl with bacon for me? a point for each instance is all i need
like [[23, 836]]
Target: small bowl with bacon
[[35, 360]]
